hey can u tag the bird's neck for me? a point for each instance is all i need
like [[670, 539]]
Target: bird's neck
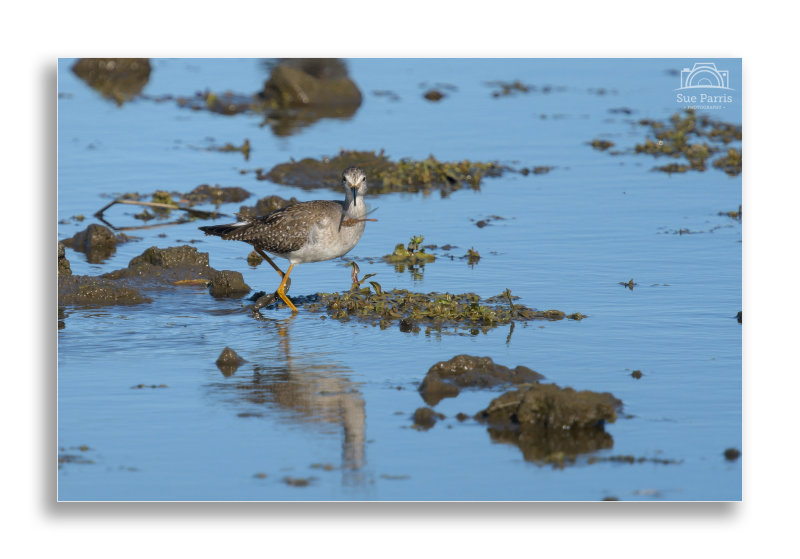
[[357, 209]]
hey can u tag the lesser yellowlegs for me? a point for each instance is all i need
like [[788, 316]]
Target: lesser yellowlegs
[[307, 231]]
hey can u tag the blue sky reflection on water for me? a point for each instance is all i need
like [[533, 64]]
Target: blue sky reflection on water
[[331, 401]]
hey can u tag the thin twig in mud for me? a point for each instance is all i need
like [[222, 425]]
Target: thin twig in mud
[[202, 214], [137, 227]]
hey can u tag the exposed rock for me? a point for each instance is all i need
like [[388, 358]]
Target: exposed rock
[[118, 79], [167, 264], [228, 361], [63, 264], [446, 378], [98, 242], [550, 424], [227, 283], [425, 418], [313, 82], [92, 291], [266, 205], [217, 194]]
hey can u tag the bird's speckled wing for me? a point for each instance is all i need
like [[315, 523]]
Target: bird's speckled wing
[[286, 230]]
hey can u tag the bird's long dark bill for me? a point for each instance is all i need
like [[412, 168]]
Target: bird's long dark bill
[[355, 192]]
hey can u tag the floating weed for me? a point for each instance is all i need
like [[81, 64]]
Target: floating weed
[[693, 139], [385, 175], [414, 253], [244, 149], [437, 311]]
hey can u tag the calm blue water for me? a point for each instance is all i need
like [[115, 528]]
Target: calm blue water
[[321, 392]]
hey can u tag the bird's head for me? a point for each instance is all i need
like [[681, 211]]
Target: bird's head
[[354, 180]]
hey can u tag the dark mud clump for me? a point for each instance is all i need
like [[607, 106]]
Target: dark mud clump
[[434, 95], [98, 242], [630, 459], [602, 145], [298, 93], [505, 89], [266, 205], [216, 194], [228, 361], [155, 266], [694, 140], [298, 481], [63, 264], [437, 311], [117, 79], [92, 291], [254, 259], [737, 215], [181, 263], [65, 458], [227, 283], [446, 378], [312, 82], [425, 418], [550, 424], [244, 149], [637, 374], [732, 454], [384, 175]]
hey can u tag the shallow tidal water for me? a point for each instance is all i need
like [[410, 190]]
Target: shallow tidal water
[[331, 403]]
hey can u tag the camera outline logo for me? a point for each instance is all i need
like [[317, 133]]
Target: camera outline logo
[[704, 75]]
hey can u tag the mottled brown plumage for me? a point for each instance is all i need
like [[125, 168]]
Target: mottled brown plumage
[[307, 231]]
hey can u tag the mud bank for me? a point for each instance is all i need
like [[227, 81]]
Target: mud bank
[[97, 242], [298, 93], [383, 174], [438, 312], [550, 424], [446, 378], [155, 267], [116, 79]]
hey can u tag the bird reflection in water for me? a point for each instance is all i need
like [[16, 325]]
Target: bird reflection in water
[[307, 391]]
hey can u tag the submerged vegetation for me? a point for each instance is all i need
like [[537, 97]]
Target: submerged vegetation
[[384, 175], [690, 140], [435, 311], [694, 140], [412, 253]]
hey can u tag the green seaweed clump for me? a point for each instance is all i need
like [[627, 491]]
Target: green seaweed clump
[[414, 253], [731, 163], [163, 197], [436, 311], [244, 149], [384, 176], [693, 139], [411, 256]]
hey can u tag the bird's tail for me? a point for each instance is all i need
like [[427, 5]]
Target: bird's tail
[[223, 230]]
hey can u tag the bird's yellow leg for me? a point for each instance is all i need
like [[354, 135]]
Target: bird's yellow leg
[[281, 293], [263, 255]]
